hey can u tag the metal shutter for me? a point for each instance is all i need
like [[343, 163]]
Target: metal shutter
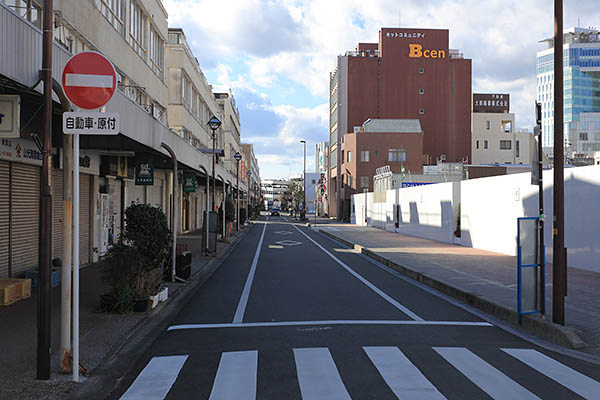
[[4, 217], [84, 219], [57, 213], [24, 221]]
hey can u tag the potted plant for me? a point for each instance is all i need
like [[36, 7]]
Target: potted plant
[[134, 269]]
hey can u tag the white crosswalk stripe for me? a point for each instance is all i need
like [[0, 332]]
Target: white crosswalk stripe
[[568, 377], [488, 378], [156, 379], [403, 378], [318, 376], [236, 376]]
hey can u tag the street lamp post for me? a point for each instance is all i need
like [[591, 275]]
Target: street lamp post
[[214, 123], [304, 183], [238, 158]]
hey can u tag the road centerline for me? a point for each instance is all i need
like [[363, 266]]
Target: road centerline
[[374, 288], [241, 308]]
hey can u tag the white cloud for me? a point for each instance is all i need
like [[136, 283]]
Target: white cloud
[[298, 40]]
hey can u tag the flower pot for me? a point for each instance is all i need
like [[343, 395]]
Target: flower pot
[[140, 306], [163, 295]]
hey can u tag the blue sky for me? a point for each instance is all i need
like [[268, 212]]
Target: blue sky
[[275, 56]]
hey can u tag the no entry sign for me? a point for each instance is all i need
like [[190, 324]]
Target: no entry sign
[[89, 80]]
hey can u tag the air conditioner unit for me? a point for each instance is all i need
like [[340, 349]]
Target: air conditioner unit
[[443, 157], [356, 129]]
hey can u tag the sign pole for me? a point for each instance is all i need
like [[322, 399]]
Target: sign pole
[[76, 257]]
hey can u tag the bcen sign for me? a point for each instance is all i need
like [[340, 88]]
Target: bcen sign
[[416, 51]]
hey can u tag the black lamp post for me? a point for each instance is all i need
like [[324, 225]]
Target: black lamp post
[[214, 123], [238, 158]]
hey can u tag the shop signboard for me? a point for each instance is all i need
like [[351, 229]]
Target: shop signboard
[[189, 182], [10, 106], [144, 171]]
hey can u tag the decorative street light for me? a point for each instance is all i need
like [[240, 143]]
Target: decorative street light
[[238, 158], [214, 123], [303, 215]]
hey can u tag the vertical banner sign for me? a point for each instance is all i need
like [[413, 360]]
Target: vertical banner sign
[[144, 171], [243, 170], [122, 166], [189, 182]]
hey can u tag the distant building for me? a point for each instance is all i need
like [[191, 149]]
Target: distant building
[[408, 74], [276, 193], [581, 92], [494, 137], [322, 167]]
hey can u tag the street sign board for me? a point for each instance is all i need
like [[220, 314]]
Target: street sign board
[[10, 107], [89, 80], [91, 123], [189, 182], [144, 170]]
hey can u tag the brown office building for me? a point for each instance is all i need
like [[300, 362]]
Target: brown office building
[[410, 74]]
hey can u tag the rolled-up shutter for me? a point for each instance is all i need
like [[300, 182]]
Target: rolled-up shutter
[[84, 219], [4, 217], [24, 219], [57, 213]]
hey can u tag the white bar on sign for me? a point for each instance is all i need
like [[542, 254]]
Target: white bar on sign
[[89, 80]]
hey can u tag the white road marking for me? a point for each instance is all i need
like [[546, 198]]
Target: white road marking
[[286, 220], [332, 228], [156, 379], [568, 377], [366, 282], [401, 375], [318, 375], [89, 80], [284, 233], [489, 379], [236, 376], [241, 308], [289, 242], [326, 322]]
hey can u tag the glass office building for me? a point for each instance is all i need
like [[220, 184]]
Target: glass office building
[[581, 91]]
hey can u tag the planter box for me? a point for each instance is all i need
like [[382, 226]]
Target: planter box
[[163, 295], [12, 290], [154, 301], [34, 275]]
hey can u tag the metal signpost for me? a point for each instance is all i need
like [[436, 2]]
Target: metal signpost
[[89, 81], [530, 267]]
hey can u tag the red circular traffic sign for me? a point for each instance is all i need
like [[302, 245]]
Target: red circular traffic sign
[[89, 80]]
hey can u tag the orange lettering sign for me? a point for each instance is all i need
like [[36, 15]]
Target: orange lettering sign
[[416, 51]]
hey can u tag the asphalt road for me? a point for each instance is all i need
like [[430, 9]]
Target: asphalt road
[[293, 315]]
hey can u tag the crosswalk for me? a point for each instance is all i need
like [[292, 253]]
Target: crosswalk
[[318, 376]]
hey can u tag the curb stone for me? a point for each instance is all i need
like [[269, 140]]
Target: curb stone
[[564, 336]]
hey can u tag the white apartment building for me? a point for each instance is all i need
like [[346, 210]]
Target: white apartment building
[[496, 141], [276, 193]]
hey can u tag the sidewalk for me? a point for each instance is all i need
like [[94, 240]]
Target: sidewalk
[[101, 335], [482, 279]]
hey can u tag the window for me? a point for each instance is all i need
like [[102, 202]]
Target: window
[[477, 144], [349, 156], [488, 125], [364, 182], [156, 52], [421, 111], [396, 155], [186, 91], [27, 9], [583, 136], [517, 149], [505, 145], [137, 29], [350, 182], [364, 156], [485, 144], [421, 70], [421, 91], [114, 12]]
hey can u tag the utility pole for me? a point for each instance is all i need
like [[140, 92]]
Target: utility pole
[[67, 230], [45, 239], [559, 270]]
